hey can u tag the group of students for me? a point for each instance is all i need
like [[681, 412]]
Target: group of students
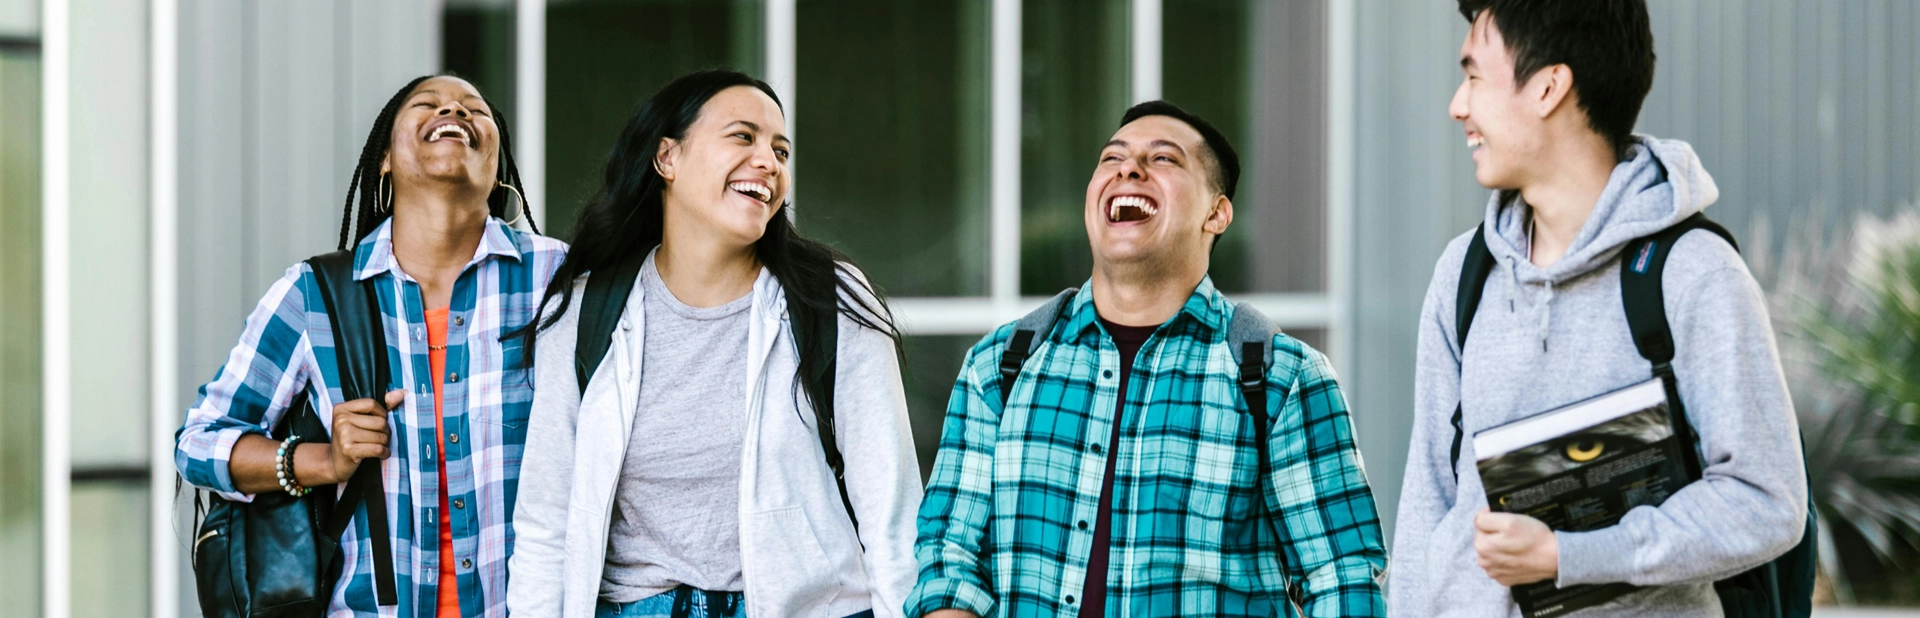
[[693, 410]]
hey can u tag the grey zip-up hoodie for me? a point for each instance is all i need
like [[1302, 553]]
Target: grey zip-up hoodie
[[1544, 337]]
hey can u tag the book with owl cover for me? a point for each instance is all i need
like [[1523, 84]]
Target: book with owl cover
[[1581, 467]]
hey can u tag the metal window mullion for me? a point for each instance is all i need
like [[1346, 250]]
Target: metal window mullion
[[1145, 18], [1341, 130], [780, 48], [55, 303], [1003, 227], [530, 97], [163, 265]]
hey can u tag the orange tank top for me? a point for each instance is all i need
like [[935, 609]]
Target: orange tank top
[[449, 598]]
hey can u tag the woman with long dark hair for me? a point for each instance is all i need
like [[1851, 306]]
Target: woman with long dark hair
[[436, 186], [682, 458]]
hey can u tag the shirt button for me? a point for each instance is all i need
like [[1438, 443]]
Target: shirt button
[[453, 378], [459, 504], [466, 563], [454, 438], [1083, 526], [1107, 374], [416, 333], [459, 321], [1097, 449], [1069, 599]]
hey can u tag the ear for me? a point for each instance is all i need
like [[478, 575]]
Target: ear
[[663, 159], [1553, 87], [1220, 217], [386, 163]]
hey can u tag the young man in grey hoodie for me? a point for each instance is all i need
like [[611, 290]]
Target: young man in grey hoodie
[[1550, 95]]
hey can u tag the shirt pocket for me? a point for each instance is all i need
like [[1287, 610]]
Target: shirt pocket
[[515, 397]]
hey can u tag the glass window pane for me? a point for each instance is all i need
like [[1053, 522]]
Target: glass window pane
[[108, 239], [1074, 86], [20, 454], [933, 362], [1267, 94], [891, 158], [477, 42], [110, 550], [605, 56]]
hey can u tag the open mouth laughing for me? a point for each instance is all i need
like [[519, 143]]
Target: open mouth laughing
[[753, 189], [1131, 208], [452, 129]]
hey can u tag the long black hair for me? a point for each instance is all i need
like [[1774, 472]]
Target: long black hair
[[366, 173], [626, 219]]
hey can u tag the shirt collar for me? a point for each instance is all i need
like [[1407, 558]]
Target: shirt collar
[[375, 253], [1206, 305]]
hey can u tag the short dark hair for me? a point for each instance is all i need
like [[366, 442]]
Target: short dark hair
[[1607, 43], [1220, 154]]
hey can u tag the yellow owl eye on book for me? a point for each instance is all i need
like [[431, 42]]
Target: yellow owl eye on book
[[1585, 450], [1578, 467]]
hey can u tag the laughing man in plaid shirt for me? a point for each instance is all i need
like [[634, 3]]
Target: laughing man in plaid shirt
[[1072, 500]]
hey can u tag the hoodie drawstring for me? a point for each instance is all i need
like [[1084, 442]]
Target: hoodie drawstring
[[1546, 307], [1546, 316]]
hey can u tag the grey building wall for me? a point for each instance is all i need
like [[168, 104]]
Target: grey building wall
[[1804, 112], [275, 103]]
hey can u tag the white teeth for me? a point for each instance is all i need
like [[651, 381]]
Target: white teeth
[[446, 129], [1475, 141], [1131, 201], [760, 191]]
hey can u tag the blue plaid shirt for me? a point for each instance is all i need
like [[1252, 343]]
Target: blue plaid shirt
[[1005, 529], [288, 344]]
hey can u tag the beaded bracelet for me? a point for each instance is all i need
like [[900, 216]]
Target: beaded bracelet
[[283, 467]]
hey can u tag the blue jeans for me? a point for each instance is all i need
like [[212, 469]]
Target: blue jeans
[[684, 602]]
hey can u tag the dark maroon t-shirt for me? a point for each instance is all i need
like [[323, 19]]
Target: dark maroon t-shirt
[[1093, 596]]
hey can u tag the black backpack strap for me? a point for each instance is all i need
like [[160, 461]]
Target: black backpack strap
[[600, 307], [1027, 335], [361, 349], [1474, 271], [818, 337], [1641, 265], [1250, 338]]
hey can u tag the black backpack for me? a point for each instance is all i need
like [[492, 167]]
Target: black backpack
[[1783, 587], [605, 300], [275, 556], [1249, 335]]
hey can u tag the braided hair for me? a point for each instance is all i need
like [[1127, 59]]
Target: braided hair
[[366, 173]]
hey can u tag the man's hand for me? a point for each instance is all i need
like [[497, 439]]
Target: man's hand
[[360, 432], [1515, 549]]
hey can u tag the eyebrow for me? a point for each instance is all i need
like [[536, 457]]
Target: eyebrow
[[1155, 143], [756, 129]]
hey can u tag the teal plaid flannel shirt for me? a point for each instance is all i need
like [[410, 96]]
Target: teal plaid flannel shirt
[[1005, 528]]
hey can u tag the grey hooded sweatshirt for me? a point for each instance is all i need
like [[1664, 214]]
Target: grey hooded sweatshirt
[[1545, 337]]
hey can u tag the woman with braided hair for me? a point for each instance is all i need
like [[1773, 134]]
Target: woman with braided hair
[[437, 196]]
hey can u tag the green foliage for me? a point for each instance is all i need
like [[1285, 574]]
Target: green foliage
[[1850, 341]]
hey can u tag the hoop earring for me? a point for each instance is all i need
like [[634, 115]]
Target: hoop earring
[[522, 213], [382, 201]]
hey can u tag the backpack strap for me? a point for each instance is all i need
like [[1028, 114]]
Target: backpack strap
[[818, 337], [1641, 265], [600, 307], [361, 349], [1250, 337], [1474, 271], [1028, 333]]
